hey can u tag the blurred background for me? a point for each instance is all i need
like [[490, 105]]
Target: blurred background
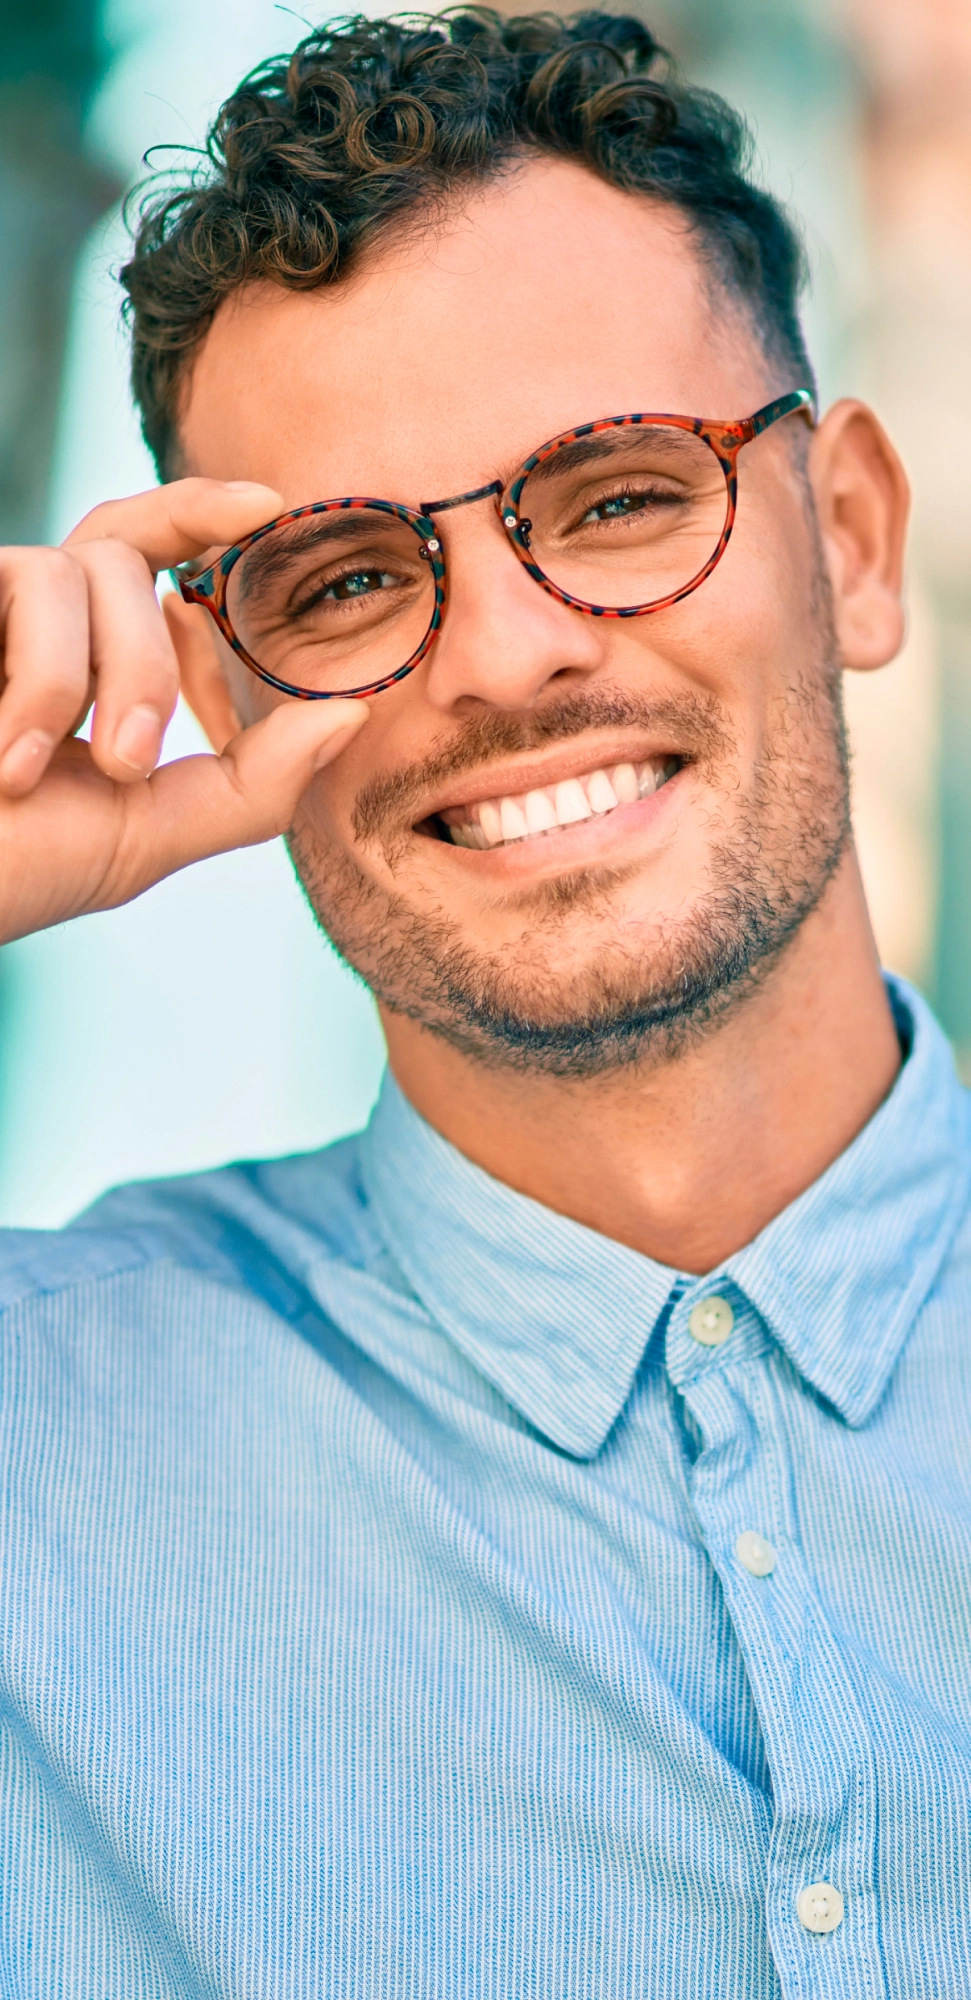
[[210, 1020]]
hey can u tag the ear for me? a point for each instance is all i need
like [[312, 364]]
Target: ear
[[202, 675], [862, 502]]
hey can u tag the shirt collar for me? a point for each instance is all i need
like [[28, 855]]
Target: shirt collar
[[557, 1317], [841, 1274]]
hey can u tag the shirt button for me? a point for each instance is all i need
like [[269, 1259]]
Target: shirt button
[[759, 1557], [820, 1907], [711, 1322]]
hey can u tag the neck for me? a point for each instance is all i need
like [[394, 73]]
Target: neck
[[688, 1159]]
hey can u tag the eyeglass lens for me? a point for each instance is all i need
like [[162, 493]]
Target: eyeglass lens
[[334, 601], [338, 600], [625, 517]]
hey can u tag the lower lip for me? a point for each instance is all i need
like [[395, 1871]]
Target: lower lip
[[587, 840]]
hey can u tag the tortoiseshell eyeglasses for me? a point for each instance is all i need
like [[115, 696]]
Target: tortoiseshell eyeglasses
[[617, 518]]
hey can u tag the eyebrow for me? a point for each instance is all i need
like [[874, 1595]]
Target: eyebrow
[[281, 546], [605, 444]]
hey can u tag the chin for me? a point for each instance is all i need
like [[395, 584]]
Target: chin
[[590, 970]]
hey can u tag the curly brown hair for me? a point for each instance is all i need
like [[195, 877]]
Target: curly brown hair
[[369, 122]]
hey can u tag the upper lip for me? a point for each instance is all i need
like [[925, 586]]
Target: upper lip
[[543, 768]]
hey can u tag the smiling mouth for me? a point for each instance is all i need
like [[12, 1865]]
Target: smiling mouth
[[518, 816]]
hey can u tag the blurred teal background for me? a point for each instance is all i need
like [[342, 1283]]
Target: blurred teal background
[[211, 1020]]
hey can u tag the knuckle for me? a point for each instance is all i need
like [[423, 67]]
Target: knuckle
[[41, 564], [235, 778], [57, 688], [59, 564], [109, 553], [255, 802]]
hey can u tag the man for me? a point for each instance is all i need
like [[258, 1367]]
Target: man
[[524, 1549]]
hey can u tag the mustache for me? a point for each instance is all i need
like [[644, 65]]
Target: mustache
[[391, 799]]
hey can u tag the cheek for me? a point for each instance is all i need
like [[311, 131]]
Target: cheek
[[326, 813], [723, 649], [400, 732], [750, 632]]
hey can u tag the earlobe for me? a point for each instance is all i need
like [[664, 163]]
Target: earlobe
[[201, 675], [862, 502]]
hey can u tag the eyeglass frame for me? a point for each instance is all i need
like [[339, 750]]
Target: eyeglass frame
[[725, 439]]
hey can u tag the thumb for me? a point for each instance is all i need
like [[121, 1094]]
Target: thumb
[[200, 806]]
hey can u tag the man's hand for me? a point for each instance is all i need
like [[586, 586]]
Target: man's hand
[[86, 826]]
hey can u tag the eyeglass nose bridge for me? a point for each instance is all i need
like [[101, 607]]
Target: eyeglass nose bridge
[[461, 499], [517, 529]]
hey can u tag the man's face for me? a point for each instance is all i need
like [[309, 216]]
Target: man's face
[[540, 302]]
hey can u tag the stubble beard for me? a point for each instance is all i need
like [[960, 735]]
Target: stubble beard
[[641, 994]]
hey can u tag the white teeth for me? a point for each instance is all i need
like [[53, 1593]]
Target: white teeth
[[571, 802], [624, 781], [513, 820], [494, 822], [490, 821], [540, 813], [600, 792]]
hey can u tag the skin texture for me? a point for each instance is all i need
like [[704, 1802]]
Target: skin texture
[[437, 367]]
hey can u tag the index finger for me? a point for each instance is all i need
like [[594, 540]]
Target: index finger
[[171, 523]]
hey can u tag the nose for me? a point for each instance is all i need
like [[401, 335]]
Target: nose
[[503, 638]]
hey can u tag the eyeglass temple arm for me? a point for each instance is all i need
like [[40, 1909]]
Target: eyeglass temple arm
[[801, 401]]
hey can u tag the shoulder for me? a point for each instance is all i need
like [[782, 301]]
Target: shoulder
[[236, 1224], [38, 1264]]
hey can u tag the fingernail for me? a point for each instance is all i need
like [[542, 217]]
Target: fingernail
[[246, 486], [138, 738], [25, 759]]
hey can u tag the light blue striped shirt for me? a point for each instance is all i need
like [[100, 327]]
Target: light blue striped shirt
[[375, 1621]]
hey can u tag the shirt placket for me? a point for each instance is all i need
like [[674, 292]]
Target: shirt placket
[[820, 1901]]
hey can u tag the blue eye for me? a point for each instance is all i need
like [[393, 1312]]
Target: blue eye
[[622, 503], [620, 506], [360, 583]]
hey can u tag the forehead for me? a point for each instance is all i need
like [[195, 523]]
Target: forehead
[[542, 300]]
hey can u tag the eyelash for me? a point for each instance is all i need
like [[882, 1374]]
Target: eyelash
[[317, 592], [632, 492]]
